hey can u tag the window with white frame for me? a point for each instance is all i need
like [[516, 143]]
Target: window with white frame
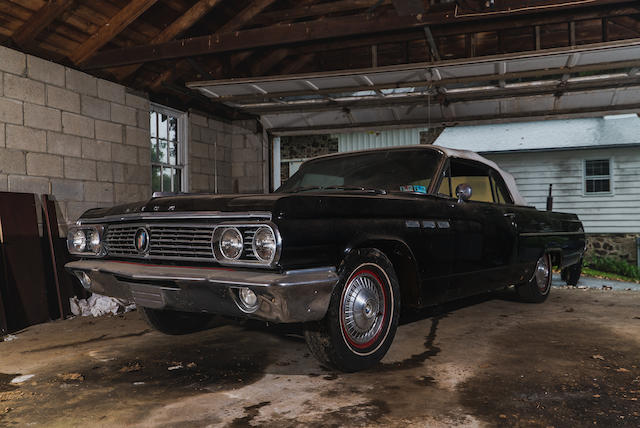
[[597, 176], [168, 149]]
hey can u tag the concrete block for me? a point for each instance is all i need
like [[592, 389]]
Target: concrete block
[[123, 114], [4, 182], [80, 169], [67, 190], [237, 169], [23, 183], [12, 61], [75, 124], [41, 117], [45, 71], [63, 99], [2, 133], [131, 192], [253, 169], [199, 183], [111, 91], [98, 192], [104, 170], [143, 119], [195, 133], [23, 89], [95, 149], [32, 140], [247, 155], [216, 125], [44, 165], [200, 150], [12, 162], [63, 144], [198, 119], [144, 156], [117, 170], [237, 141], [124, 154], [81, 82], [137, 137], [95, 107], [108, 131], [137, 101]]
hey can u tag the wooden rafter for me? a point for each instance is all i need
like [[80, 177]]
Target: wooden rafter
[[176, 28], [41, 19], [316, 30], [321, 9], [111, 29]]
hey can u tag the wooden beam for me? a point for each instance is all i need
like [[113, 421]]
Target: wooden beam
[[111, 29], [41, 19], [176, 28], [268, 62], [295, 65]]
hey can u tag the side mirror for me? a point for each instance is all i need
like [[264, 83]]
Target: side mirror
[[463, 192]]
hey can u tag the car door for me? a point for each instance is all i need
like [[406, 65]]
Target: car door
[[481, 229]]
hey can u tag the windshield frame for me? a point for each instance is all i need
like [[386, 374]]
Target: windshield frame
[[435, 179]]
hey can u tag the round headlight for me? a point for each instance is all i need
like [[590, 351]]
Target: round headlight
[[264, 244], [248, 298], [93, 243], [78, 240], [231, 243]]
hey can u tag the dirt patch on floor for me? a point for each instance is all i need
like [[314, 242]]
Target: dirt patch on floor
[[555, 374]]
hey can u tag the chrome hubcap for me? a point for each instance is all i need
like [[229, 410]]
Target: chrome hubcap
[[363, 305], [543, 270]]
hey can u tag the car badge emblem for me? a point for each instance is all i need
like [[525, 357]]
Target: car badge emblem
[[156, 208], [141, 240]]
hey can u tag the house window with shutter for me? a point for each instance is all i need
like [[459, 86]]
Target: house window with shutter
[[597, 176]]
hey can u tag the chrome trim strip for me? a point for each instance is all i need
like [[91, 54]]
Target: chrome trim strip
[[532, 234], [173, 215]]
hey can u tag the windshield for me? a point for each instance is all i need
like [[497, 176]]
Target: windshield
[[408, 170]]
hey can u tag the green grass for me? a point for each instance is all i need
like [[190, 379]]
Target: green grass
[[587, 271]]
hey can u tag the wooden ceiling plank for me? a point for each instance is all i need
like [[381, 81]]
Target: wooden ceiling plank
[[176, 28], [111, 29], [307, 11], [40, 20]]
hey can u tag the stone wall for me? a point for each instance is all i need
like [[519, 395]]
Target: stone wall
[[307, 146], [619, 246], [82, 139]]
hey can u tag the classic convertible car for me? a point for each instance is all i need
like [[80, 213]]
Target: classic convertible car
[[346, 241]]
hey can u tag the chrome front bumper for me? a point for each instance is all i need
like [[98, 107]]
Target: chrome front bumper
[[293, 296]]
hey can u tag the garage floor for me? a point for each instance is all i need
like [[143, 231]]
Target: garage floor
[[573, 361]]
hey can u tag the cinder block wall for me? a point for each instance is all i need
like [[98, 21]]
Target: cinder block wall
[[86, 140]]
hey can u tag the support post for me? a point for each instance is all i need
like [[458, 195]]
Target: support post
[[276, 163]]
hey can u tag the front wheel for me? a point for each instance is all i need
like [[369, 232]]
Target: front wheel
[[363, 314], [571, 274], [536, 290], [175, 322]]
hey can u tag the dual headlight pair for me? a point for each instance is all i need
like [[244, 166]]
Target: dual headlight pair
[[242, 244], [86, 241]]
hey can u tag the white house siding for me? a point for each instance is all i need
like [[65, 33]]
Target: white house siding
[[353, 141], [615, 213]]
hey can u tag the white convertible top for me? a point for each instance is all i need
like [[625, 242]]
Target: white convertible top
[[508, 178]]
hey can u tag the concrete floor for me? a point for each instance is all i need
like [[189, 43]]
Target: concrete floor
[[488, 361]]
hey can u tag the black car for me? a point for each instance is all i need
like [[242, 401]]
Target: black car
[[344, 244]]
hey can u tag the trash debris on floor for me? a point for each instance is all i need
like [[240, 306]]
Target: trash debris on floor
[[97, 305], [21, 379], [8, 338]]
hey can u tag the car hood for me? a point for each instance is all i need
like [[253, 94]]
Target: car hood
[[278, 205]]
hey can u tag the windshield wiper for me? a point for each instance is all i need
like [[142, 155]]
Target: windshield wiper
[[356, 188]]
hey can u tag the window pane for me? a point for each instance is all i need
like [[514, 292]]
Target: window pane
[[166, 179], [177, 180], [163, 150], [153, 125], [155, 150], [156, 182], [173, 153], [596, 167], [173, 129], [162, 126]]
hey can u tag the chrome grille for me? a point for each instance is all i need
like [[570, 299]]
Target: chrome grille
[[166, 241]]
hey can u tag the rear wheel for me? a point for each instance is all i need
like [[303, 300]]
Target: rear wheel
[[175, 322], [571, 274], [537, 289], [363, 314]]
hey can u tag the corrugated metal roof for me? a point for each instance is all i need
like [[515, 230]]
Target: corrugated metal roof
[[546, 135]]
